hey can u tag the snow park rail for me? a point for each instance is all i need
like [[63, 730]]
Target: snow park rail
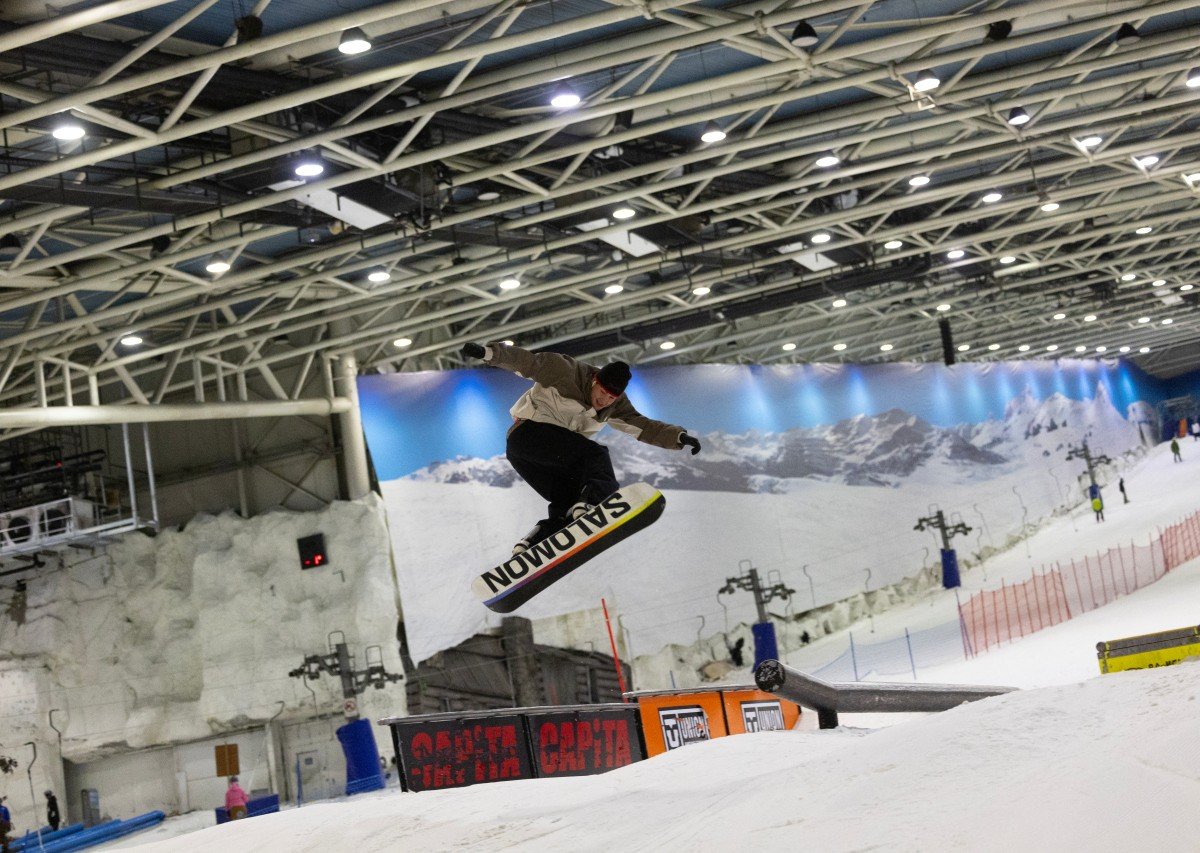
[[997, 616], [829, 699]]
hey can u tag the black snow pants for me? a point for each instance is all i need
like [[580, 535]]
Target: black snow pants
[[562, 466]]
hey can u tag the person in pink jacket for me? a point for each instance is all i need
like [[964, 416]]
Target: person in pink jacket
[[235, 799]]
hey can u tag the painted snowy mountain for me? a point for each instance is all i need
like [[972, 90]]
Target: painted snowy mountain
[[879, 450]]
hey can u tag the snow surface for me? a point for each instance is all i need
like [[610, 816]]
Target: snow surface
[[1079, 761]]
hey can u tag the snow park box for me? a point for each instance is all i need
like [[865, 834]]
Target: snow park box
[[1149, 650], [455, 749], [675, 718]]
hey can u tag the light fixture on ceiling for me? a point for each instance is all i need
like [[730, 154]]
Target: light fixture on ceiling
[[488, 195], [1158, 282], [1166, 321], [1144, 349], [804, 35], [1017, 116], [1081, 348], [1023, 348], [510, 283], [1051, 347], [1091, 141], [1060, 316], [1046, 204], [1192, 177], [624, 212], [1143, 319], [927, 81], [1008, 259], [828, 160], [993, 347], [563, 98], [963, 347], [1124, 349], [1129, 276], [1145, 229], [999, 30], [353, 41], [667, 345], [308, 166], [613, 289], [1088, 318], [1185, 287], [1146, 160], [918, 180], [1101, 349], [67, 129], [701, 291], [712, 133], [402, 342], [821, 237], [885, 347], [893, 244], [217, 265], [379, 276], [788, 347], [955, 254], [1193, 79], [509, 343], [838, 303], [839, 347], [1127, 34], [131, 340], [945, 306], [991, 196]]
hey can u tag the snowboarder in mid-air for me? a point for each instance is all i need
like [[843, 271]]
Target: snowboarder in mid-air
[[549, 443]]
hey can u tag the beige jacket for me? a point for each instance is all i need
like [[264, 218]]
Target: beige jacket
[[561, 395]]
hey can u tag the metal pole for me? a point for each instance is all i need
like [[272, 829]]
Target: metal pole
[[150, 473], [129, 472], [354, 446], [911, 661], [853, 656], [33, 796]]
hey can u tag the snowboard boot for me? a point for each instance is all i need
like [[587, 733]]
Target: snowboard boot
[[540, 531], [578, 509]]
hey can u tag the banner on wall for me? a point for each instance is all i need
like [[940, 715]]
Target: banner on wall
[[799, 461]]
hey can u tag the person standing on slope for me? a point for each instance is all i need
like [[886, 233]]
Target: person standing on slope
[[549, 443]]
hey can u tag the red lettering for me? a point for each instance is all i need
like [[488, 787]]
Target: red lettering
[[510, 768], [584, 741], [548, 748]]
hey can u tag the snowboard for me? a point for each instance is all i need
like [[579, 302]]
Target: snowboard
[[620, 515]]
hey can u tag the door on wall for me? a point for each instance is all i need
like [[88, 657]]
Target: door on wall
[[315, 767]]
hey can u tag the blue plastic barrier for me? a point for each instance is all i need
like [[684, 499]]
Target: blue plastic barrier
[[765, 645], [29, 841], [362, 757], [255, 807], [101, 833], [950, 578]]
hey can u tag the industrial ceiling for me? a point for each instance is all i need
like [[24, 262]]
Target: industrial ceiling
[[209, 188]]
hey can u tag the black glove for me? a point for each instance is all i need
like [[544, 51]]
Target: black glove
[[473, 351], [686, 440]]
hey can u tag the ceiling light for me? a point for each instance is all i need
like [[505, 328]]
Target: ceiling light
[[804, 35], [1124, 349], [1052, 348], [1089, 318], [839, 347], [927, 81], [1192, 177], [217, 266], [1158, 282], [1017, 116], [992, 196], [999, 30], [1193, 78], [893, 244], [402, 342], [68, 130], [1185, 287], [955, 254], [131, 341], [1023, 348], [993, 347], [838, 303], [1143, 319], [788, 347], [1145, 229], [613, 289], [354, 41], [963, 347], [379, 275], [508, 343], [1008, 259], [1127, 34], [885, 347], [1101, 349], [1129, 276], [712, 133], [1167, 321], [828, 160], [1081, 348], [1144, 349], [624, 212], [564, 98], [1146, 160], [1091, 141], [510, 283], [667, 345], [945, 306], [308, 166], [488, 195], [1049, 206], [918, 180], [821, 237], [701, 291], [1060, 316]]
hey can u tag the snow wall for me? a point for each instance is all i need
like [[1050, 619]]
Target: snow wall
[[814, 474], [175, 638]]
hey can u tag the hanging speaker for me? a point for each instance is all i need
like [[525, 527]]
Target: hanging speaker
[[947, 341]]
